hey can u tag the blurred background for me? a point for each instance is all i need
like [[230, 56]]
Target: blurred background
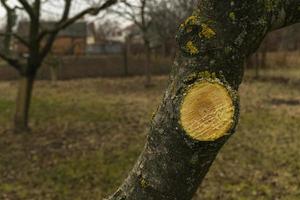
[[98, 87]]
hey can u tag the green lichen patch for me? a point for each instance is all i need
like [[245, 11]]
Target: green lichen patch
[[192, 21], [232, 16], [195, 35], [271, 5], [143, 183], [207, 32], [191, 48], [206, 75]]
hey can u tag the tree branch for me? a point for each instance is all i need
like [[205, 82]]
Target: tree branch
[[92, 11], [66, 12], [27, 8], [65, 22], [13, 62], [18, 37], [3, 2], [189, 127]]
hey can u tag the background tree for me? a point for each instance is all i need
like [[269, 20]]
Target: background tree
[[200, 109], [137, 12], [290, 38], [165, 16], [290, 41], [11, 18], [55, 63], [39, 43], [106, 29]]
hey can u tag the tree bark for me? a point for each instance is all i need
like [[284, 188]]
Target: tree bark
[[257, 64], [264, 58], [55, 63], [125, 57], [23, 103], [54, 72], [184, 140], [148, 82]]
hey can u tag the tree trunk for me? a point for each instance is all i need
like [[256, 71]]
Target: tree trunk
[[54, 70], [125, 54], [148, 82], [166, 49], [257, 64], [23, 103], [264, 58], [200, 108]]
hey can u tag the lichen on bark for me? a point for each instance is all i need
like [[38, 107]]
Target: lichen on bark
[[220, 35]]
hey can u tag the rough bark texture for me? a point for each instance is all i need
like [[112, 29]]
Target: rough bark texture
[[213, 44]]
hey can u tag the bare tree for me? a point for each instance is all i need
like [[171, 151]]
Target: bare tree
[[39, 43], [138, 13], [166, 17], [106, 29], [54, 62], [11, 19], [200, 109], [291, 38]]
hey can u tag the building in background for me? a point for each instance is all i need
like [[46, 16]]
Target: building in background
[[109, 38], [70, 41], [99, 43]]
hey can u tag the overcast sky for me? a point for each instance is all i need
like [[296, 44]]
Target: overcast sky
[[54, 8]]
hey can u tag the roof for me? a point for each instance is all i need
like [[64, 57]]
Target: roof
[[78, 29]]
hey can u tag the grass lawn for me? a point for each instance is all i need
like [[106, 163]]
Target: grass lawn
[[87, 134]]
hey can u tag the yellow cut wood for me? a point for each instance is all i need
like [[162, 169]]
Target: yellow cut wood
[[207, 111]]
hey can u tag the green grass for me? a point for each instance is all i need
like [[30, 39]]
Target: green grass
[[87, 134], [6, 109]]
